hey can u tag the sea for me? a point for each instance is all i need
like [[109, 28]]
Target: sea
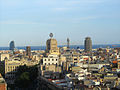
[[71, 46]]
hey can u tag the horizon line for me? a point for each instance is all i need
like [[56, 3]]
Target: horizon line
[[59, 45]]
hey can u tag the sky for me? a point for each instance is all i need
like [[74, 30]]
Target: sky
[[29, 22]]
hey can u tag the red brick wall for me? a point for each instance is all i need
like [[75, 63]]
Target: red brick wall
[[2, 87]]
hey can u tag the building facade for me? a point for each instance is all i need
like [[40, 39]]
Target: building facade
[[12, 45], [3, 84], [51, 46], [4, 56], [28, 51], [11, 67], [68, 43], [51, 60], [88, 44]]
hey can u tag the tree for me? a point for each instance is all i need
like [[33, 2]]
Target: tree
[[25, 76], [21, 69], [23, 80]]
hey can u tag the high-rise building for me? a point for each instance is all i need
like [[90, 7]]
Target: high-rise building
[[28, 51], [68, 43], [88, 44], [51, 45], [12, 45]]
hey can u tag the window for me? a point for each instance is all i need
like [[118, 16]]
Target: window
[[75, 59], [56, 59], [48, 59], [52, 59]]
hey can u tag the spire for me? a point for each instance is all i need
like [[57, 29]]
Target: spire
[[68, 43]]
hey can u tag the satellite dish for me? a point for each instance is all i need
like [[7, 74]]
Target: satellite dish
[[51, 35]]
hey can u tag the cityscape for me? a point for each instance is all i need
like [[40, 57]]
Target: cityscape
[[60, 68], [59, 44]]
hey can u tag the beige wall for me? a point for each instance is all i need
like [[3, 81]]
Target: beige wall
[[51, 59], [3, 56]]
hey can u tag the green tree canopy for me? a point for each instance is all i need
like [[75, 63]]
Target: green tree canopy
[[25, 76]]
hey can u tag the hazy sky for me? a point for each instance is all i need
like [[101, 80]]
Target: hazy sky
[[29, 22]]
